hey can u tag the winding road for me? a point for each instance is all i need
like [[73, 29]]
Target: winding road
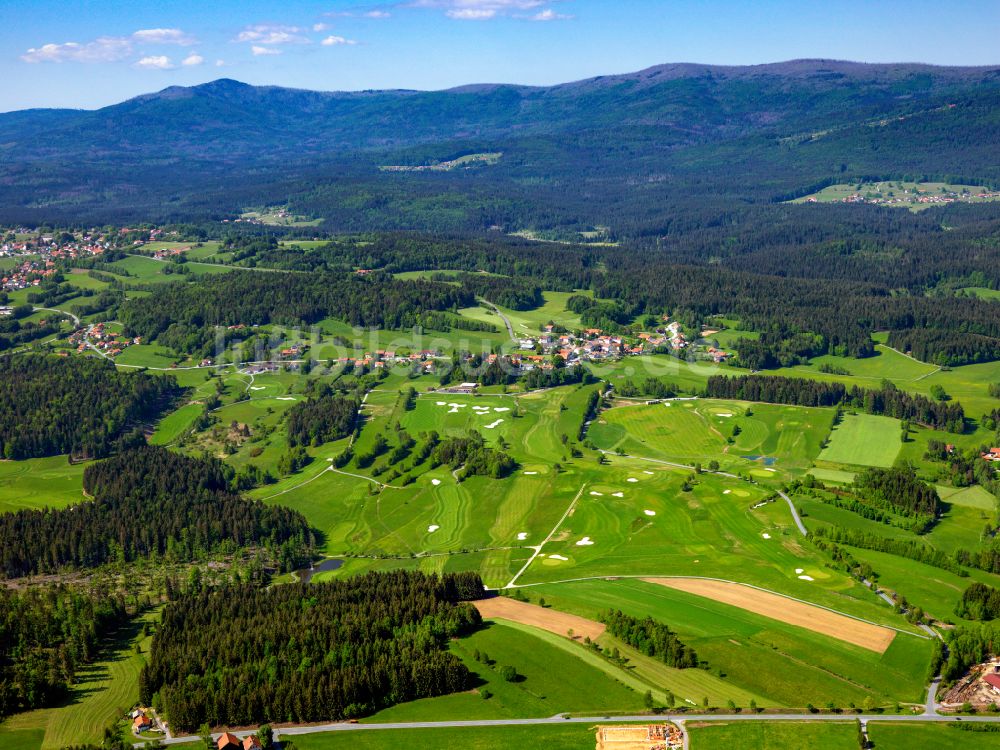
[[504, 318]]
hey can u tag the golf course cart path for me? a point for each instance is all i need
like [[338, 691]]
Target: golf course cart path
[[538, 549], [791, 611], [791, 505]]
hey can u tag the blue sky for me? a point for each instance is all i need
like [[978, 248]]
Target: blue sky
[[84, 53]]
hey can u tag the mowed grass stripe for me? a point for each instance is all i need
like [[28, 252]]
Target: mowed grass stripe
[[872, 637]]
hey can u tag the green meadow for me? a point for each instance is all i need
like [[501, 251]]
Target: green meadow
[[568, 737], [775, 735], [863, 440], [40, 483], [778, 664], [103, 690], [553, 679], [900, 736]]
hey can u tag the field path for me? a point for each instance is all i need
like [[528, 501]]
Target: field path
[[504, 318]]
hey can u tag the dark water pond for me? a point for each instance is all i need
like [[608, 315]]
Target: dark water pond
[[331, 563], [766, 460]]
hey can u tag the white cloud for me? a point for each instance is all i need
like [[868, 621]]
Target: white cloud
[[362, 13], [102, 49], [549, 15], [471, 14], [155, 62], [164, 36], [258, 51], [320, 27], [332, 41], [377, 14], [220, 63], [482, 10], [264, 33], [192, 60]]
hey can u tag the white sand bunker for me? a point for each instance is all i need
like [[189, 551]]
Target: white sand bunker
[[806, 578], [530, 473], [435, 482], [285, 398], [618, 494], [585, 542], [726, 492], [491, 425], [432, 528], [595, 493], [724, 414], [501, 408], [330, 460], [650, 512], [766, 535], [771, 470], [441, 403], [632, 479], [522, 536], [256, 388], [647, 472], [799, 571], [557, 557]]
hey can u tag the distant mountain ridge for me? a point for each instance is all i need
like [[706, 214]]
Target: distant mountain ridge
[[226, 118], [682, 126]]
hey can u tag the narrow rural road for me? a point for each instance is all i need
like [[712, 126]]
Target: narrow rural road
[[504, 318], [76, 320], [592, 720]]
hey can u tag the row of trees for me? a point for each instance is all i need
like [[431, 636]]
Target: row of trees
[[78, 405], [308, 652], [149, 502], [888, 400], [651, 638]]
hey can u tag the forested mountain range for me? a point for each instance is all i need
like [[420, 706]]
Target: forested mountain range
[[614, 150]]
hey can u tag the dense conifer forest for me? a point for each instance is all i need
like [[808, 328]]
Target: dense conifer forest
[[149, 502], [321, 419], [182, 316], [46, 636], [79, 405], [308, 652]]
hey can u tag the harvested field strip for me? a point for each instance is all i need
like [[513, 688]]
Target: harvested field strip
[[553, 621], [872, 637]]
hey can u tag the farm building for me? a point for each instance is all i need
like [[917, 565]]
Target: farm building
[[228, 741]]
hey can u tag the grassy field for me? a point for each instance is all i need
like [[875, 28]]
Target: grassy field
[[103, 691], [40, 483], [863, 440], [779, 664], [887, 736], [761, 735], [771, 436], [552, 680], [569, 737]]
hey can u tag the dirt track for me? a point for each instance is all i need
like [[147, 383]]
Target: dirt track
[[560, 623], [819, 620]]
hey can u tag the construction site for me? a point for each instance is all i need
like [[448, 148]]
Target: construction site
[[643, 737], [980, 687]]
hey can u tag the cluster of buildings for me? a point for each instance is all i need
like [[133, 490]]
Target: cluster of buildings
[[228, 741], [593, 345], [911, 197], [28, 273], [97, 336]]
